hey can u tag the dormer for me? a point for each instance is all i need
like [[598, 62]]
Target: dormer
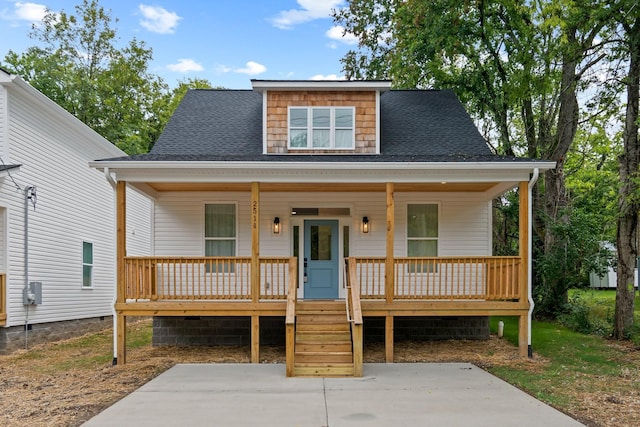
[[321, 117]]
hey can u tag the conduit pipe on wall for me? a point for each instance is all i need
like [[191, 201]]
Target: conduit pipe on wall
[[532, 182], [114, 315]]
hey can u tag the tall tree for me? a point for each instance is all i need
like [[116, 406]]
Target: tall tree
[[629, 194], [519, 66], [80, 66]]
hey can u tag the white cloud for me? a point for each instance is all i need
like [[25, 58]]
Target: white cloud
[[31, 12], [158, 20], [338, 34], [251, 68], [327, 77], [185, 65], [309, 10]]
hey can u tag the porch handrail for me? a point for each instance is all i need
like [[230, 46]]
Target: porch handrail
[[3, 299], [486, 278], [290, 317], [357, 333], [204, 278]]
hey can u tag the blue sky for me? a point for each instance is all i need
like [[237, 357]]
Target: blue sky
[[228, 42]]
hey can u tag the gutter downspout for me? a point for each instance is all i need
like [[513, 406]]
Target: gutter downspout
[[114, 315], [532, 182]]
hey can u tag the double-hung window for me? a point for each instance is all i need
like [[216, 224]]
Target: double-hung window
[[220, 230], [220, 235], [321, 127], [87, 264], [422, 233]]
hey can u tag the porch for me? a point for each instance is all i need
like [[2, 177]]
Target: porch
[[223, 286], [385, 287]]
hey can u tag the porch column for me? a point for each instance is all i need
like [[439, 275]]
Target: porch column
[[388, 267], [523, 273], [255, 241], [389, 285], [255, 269], [121, 252]]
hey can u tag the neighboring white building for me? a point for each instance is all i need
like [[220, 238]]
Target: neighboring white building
[[56, 219]]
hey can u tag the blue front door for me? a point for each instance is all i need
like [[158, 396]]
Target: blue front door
[[321, 259]]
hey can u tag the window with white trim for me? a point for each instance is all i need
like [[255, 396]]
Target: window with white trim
[[220, 230], [321, 127], [422, 230], [87, 265]]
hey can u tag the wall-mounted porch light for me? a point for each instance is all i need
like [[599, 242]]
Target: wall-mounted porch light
[[365, 224], [276, 225]]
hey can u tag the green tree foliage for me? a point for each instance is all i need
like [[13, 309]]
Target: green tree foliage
[[629, 161], [80, 66], [577, 251], [518, 66]]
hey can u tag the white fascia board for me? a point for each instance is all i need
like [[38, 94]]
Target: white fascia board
[[342, 85], [309, 172]]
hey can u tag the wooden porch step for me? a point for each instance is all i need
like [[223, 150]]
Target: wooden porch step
[[323, 326], [323, 340], [306, 347], [324, 357], [322, 336], [323, 370], [320, 318]]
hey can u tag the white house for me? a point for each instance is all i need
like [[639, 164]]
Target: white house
[[328, 206], [56, 221]]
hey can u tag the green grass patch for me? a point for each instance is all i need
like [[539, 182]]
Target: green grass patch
[[90, 351], [570, 355]]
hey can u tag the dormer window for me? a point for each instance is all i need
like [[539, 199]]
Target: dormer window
[[321, 128]]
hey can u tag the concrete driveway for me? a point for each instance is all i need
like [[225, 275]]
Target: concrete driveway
[[400, 394]]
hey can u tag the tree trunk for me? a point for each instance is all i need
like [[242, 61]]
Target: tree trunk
[[555, 199], [628, 200]]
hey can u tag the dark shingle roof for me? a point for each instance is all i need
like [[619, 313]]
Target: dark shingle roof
[[428, 123], [214, 122], [416, 126]]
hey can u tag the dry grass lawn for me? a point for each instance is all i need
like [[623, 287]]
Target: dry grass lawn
[[67, 383]]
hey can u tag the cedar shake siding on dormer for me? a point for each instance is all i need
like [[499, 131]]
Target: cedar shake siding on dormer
[[278, 103]]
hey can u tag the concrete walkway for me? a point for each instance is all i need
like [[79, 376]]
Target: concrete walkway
[[401, 394]]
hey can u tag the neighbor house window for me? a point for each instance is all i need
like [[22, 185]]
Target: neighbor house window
[[422, 230], [220, 230], [321, 127], [87, 265]]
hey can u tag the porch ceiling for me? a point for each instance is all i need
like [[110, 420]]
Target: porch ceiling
[[327, 187]]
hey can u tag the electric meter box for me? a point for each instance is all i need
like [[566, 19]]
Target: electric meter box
[[32, 294]]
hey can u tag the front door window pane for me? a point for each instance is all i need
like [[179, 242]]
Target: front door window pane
[[321, 243]]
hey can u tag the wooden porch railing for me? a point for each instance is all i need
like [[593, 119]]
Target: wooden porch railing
[[290, 322], [205, 278], [442, 278], [354, 311], [3, 299]]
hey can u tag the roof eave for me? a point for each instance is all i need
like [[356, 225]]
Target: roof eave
[[152, 165], [321, 85]]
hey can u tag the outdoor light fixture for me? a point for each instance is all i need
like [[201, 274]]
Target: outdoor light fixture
[[365, 224], [276, 225]]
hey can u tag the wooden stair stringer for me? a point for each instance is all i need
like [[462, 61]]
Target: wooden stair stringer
[[323, 346]]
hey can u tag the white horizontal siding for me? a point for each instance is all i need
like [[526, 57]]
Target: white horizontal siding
[[179, 222], [4, 136], [139, 222], [464, 223], [74, 204]]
